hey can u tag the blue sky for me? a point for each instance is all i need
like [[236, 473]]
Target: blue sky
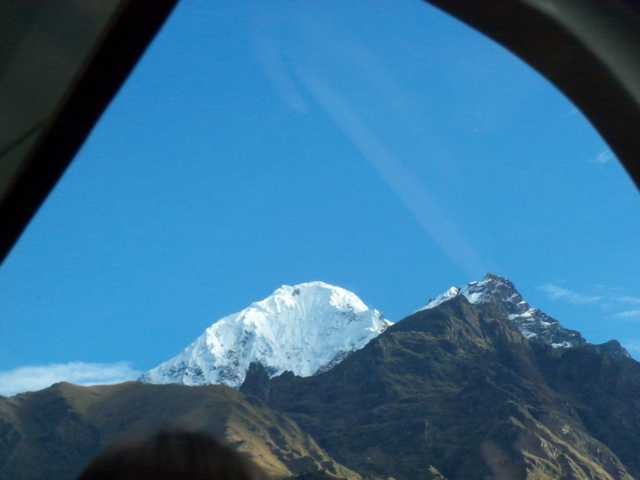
[[380, 146]]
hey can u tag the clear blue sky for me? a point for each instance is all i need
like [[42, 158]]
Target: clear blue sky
[[380, 146]]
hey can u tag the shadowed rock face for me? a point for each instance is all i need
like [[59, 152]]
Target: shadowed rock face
[[452, 392], [459, 388], [257, 382]]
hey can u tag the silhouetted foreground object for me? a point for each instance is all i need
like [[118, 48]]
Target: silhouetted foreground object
[[172, 455]]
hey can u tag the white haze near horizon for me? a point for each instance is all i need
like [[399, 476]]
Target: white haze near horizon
[[36, 377]]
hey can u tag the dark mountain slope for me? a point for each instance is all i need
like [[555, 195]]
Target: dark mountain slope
[[53, 433], [602, 384], [455, 387]]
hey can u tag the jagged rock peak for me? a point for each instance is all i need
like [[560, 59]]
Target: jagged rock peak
[[301, 328], [533, 323]]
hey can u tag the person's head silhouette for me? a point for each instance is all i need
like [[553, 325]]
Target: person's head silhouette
[[172, 455]]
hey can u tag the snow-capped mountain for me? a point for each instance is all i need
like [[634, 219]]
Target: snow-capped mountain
[[305, 329], [532, 322]]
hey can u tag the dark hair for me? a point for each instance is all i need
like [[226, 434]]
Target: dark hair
[[172, 455]]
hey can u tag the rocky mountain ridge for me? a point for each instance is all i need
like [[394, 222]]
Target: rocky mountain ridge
[[459, 390], [533, 323], [311, 327]]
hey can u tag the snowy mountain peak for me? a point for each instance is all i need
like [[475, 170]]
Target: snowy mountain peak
[[532, 323], [493, 288], [304, 328], [448, 295], [314, 293]]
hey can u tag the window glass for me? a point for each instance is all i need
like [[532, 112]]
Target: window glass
[[382, 147]]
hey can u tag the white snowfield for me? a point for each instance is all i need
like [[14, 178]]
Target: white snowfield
[[304, 329]]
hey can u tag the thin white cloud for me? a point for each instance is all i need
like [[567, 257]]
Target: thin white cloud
[[299, 77], [628, 314], [36, 377], [604, 157], [629, 300], [430, 215], [273, 64], [556, 292]]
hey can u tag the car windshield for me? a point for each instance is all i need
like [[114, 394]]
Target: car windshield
[[277, 192]]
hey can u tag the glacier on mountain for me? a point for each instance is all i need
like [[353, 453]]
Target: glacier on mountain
[[305, 328]]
